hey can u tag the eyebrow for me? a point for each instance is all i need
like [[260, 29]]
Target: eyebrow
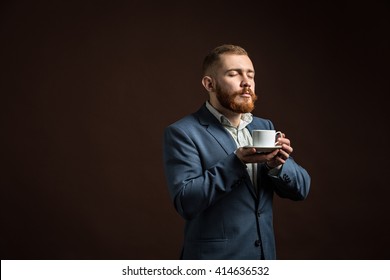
[[240, 70]]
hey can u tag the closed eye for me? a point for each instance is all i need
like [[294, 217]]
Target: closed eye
[[232, 73]]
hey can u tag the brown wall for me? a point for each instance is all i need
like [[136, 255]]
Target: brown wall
[[88, 87]]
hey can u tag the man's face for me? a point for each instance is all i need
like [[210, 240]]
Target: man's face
[[235, 83]]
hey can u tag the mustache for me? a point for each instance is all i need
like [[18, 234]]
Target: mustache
[[246, 90]]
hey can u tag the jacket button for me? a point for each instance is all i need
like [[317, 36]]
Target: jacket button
[[286, 178], [258, 213], [257, 243]]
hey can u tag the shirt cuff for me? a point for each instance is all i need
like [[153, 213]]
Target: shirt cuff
[[274, 172]]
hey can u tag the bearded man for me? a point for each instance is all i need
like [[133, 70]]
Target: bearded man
[[220, 186]]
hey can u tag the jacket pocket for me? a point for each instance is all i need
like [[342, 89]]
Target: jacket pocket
[[206, 249]]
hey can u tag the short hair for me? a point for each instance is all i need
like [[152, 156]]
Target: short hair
[[213, 57]]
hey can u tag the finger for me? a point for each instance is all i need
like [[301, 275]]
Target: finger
[[247, 151], [256, 158], [279, 160], [272, 155], [286, 148], [283, 155], [261, 157], [251, 151], [285, 141], [275, 161]]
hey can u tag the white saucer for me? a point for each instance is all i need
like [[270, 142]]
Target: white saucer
[[264, 149]]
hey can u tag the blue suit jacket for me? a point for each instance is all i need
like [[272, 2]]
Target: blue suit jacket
[[211, 189]]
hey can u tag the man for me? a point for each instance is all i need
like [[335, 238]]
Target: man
[[223, 189]]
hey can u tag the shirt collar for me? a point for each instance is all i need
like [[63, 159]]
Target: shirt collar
[[246, 118]]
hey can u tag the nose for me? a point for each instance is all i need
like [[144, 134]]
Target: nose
[[245, 83]]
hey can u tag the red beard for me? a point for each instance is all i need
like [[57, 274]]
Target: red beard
[[229, 101]]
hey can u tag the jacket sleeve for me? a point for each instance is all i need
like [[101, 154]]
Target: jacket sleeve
[[192, 186], [292, 182]]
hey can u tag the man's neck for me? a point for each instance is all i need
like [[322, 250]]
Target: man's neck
[[234, 118]]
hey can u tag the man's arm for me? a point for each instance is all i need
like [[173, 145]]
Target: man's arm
[[192, 187], [292, 181]]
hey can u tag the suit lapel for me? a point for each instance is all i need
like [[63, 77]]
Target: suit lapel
[[215, 128], [223, 137]]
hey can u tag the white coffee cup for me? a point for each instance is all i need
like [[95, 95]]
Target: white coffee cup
[[264, 138]]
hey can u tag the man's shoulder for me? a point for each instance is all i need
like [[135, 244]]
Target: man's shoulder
[[262, 122], [193, 119], [190, 119]]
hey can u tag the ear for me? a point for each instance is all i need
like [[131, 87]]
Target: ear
[[208, 83]]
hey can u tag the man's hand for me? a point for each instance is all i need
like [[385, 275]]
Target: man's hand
[[250, 155], [273, 159], [283, 153]]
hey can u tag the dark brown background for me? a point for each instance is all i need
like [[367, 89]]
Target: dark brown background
[[88, 87]]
